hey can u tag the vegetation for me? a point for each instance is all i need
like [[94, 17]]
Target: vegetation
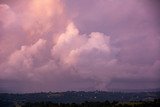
[[81, 99], [155, 103]]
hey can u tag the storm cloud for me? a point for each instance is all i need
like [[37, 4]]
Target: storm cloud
[[56, 45]]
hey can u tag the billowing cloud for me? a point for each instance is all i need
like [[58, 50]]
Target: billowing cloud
[[7, 15], [72, 44], [42, 17], [25, 59], [55, 45], [24, 56]]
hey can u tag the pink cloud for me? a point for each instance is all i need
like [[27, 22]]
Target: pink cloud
[[7, 15], [54, 45]]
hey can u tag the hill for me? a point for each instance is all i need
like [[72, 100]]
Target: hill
[[76, 97]]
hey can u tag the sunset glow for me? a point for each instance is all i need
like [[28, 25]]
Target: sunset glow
[[61, 45]]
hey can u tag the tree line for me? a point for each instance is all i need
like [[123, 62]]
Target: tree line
[[155, 103]]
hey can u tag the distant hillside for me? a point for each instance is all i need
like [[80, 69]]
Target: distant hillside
[[78, 97]]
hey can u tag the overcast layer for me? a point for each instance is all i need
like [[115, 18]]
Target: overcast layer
[[61, 45]]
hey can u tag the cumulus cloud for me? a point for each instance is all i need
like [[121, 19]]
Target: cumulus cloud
[[24, 24], [24, 56], [7, 15], [24, 60], [42, 17], [44, 48], [93, 56]]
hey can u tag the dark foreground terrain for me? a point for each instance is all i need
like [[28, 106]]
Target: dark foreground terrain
[[81, 99], [155, 103]]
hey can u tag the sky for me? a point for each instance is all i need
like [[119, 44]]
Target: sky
[[79, 45]]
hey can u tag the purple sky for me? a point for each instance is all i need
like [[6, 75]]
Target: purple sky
[[61, 45]]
